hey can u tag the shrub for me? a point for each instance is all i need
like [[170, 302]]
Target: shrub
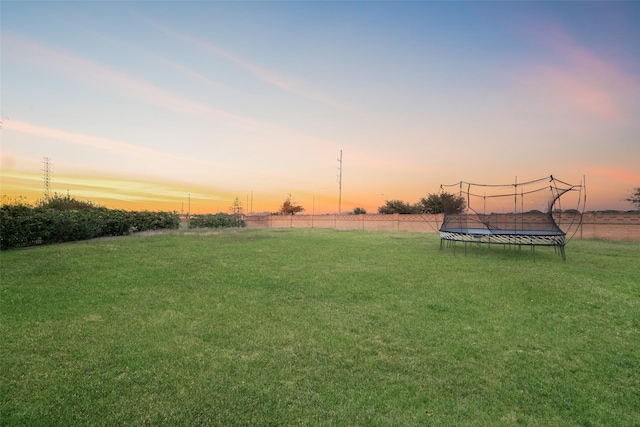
[[65, 203], [64, 219], [219, 220], [396, 206]]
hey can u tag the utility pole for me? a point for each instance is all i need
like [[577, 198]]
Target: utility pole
[[340, 185]]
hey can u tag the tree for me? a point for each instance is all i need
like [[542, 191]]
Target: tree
[[396, 206], [634, 197], [431, 204], [289, 207], [359, 211], [439, 203], [236, 209], [452, 203]]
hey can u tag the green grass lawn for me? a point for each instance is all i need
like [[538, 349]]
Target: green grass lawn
[[318, 327]]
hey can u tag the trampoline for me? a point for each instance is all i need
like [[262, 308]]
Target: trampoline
[[520, 214]]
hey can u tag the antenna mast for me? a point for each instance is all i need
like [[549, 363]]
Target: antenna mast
[[340, 185]]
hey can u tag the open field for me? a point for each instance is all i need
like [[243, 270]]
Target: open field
[[318, 327]]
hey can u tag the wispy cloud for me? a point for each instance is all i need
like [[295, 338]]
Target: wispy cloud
[[190, 73], [80, 139], [266, 75], [250, 175], [187, 72], [106, 144], [106, 78]]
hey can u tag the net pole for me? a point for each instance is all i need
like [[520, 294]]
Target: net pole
[[522, 211]]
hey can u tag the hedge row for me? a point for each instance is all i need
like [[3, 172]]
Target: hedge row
[[23, 225], [219, 220]]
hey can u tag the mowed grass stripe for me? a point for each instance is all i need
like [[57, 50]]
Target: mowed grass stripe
[[318, 327]]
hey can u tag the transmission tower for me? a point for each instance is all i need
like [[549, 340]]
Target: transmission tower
[[46, 175]]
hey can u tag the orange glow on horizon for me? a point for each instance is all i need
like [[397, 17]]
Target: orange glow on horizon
[[139, 194], [154, 195]]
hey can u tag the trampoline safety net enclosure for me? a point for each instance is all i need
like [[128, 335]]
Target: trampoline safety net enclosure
[[525, 213]]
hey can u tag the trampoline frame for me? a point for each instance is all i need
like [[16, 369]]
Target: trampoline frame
[[515, 228]]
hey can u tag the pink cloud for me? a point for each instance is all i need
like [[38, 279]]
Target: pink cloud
[[579, 93], [580, 80], [618, 175]]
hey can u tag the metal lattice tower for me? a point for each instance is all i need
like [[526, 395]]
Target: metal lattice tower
[[46, 175]]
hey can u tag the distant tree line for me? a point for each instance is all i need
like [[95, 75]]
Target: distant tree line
[[432, 204]]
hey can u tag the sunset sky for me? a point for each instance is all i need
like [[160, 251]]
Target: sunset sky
[[171, 105]]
